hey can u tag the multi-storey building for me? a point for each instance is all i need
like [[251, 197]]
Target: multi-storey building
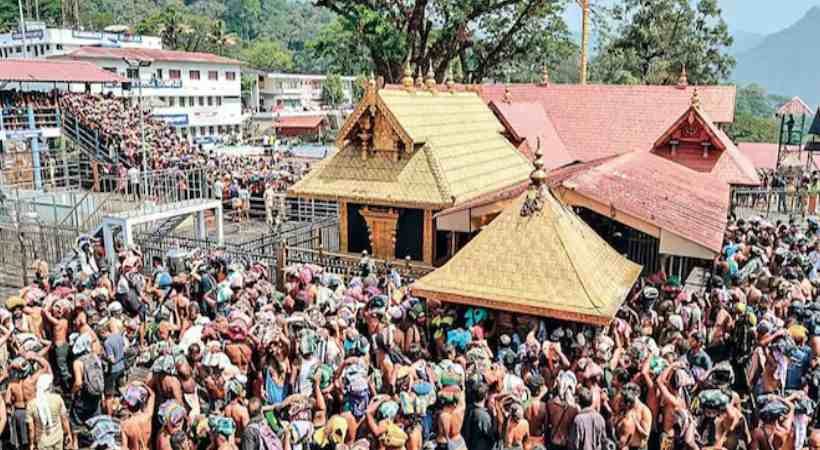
[[287, 93], [39, 41], [197, 93]]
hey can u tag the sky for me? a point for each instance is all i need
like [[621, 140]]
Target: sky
[[754, 16]]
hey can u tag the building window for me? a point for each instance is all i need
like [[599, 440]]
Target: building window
[[210, 101], [193, 74], [210, 130], [159, 74], [59, 46], [132, 74], [201, 102], [174, 74], [18, 49], [213, 75], [110, 69], [230, 76], [172, 101], [203, 130], [48, 47], [219, 101]]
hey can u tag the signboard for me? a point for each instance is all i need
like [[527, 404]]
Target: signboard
[[96, 35], [36, 34], [19, 134], [205, 114], [151, 84], [176, 120]]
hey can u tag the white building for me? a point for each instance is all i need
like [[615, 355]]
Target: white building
[[197, 93], [40, 41], [287, 93]]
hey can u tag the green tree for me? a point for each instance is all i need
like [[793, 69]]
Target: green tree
[[358, 88], [481, 34], [267, 55], [220, 39], [333, 93], [336, 49], [750, 128], [648, 41]]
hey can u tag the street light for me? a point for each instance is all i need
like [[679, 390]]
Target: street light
[[137, 64]]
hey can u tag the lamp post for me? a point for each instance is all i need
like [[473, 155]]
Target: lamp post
[[137, 64]]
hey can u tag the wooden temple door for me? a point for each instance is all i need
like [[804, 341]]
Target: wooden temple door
[[381, 225]]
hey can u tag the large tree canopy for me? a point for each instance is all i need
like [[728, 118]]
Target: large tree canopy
[[650, 40], [483, 35]]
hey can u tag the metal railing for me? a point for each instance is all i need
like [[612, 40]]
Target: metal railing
[[321, 233], [773, 203], [348, 265], [55, 175]]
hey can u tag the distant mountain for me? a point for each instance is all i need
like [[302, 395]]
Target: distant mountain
[[786, 62], [745, 41]]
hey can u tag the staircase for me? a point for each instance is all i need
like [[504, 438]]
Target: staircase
[[90, 146], [165, 227]]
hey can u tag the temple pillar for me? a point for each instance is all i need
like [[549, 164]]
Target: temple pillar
[[428, 240], [343, 226]]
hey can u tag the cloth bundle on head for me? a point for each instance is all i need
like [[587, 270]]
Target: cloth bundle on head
[[222, 425], [106, 432], [82, 345], [566, 386], [171, 413], [713, 399], [135, 396], [165, 364], [388, 410]]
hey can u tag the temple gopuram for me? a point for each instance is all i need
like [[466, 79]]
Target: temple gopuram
[[403, 156]]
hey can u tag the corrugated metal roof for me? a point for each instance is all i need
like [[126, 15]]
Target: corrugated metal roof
[[38, 70], [145, 54]]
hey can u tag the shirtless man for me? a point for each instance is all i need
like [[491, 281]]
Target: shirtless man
[[672, 402], [450, 420], [235, 408], [634, 427], [59, 332], [517, 432], [536, 411], [223, 431], [137, 425], [21, 390], [561, 411], [774, 432]]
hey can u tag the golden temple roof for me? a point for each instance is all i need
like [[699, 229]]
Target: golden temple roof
[[547, 263], [457, 153]]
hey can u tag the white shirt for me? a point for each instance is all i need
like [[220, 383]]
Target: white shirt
[[134, 175]]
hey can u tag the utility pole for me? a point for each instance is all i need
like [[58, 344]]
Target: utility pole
[[23, 29], [584, 4]]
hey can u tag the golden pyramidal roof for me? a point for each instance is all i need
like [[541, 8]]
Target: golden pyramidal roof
[[543, 261], [444, 148]]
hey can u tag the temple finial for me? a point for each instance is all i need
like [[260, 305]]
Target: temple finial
[[683, 79], [538, 176], [407, 80], [449, 82], [507, 94], [545, 76], [695, 99], [430, 80]]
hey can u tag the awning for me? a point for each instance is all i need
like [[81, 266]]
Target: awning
[[304, 122]]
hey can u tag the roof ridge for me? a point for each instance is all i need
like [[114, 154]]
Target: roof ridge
[[438, 172], [561, 240]]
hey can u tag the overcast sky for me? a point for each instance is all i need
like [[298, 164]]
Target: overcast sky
[[756, 16]]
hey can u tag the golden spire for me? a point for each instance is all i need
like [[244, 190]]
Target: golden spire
[[419, 80], [507, 94], [545, 76], [538, 176], [407, 80], [430, 80], [695, 99], [683, 80], [449, 82]]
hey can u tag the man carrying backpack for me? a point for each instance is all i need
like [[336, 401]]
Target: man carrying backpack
[[89, 383]]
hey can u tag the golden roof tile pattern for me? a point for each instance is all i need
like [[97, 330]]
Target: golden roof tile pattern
[[549, 263], [460, 154]]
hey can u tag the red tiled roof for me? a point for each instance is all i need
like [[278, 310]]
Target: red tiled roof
[[686, 203], [38, 70], [309, 122], [733, 167], [794, 106], [764, 155], [529, 124], [594, 121], [146, 54]]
